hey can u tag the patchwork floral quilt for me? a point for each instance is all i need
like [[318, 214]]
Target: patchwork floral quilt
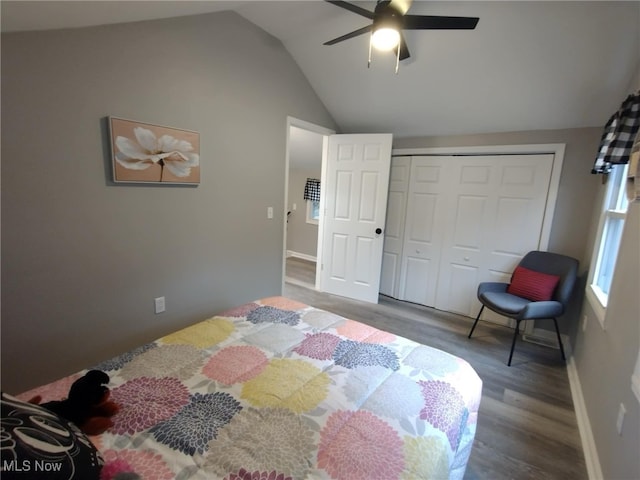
[[277, 390]]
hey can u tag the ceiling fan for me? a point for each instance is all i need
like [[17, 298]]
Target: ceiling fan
[[389, 19]]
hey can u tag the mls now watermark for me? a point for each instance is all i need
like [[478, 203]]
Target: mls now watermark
[[31, 466]]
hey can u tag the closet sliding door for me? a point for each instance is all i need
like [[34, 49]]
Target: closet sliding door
[[394, 228], [495, 211], [469, 219], [423, 233]]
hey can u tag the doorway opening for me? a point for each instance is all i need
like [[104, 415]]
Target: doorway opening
[[304, 160], [354, 178]]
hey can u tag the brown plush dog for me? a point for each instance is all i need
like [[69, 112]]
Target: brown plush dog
[[88, 404]]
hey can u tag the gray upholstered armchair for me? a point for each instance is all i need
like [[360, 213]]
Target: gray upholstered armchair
[[540, 289]]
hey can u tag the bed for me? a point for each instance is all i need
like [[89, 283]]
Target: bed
[[276, 390]]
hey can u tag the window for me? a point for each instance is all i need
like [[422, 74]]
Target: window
[[608, 241], [312, 196], [313, 211]]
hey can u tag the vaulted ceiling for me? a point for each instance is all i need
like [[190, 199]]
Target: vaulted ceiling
[[527, 66]]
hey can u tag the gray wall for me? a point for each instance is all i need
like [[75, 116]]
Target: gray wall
[[605, 359], [572, 217], [302, 237], [82, 258]]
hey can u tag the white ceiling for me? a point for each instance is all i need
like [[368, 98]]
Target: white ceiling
[[527, 65]]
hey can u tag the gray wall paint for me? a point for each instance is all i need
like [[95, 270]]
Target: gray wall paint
[[576, 193], [302, 237], [605, 359], [83, 259]]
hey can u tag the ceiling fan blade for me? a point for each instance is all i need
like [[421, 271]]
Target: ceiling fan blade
[[431, 22], [404, 50], [352, 8], [355, 33]]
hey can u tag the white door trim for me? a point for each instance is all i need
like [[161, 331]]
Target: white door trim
[[483, 149]]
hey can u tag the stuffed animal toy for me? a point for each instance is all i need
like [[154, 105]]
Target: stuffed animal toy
[[118, 470], [88, 404]]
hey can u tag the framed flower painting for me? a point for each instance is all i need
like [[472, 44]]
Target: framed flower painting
[[147, 153]]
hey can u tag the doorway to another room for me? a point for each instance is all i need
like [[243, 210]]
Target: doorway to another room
[[344, 226], [304, 147]]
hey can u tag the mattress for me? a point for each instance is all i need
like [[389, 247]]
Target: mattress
[[278, 390]]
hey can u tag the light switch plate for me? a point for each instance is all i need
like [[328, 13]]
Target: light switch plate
[[159, 303], [620, 421]]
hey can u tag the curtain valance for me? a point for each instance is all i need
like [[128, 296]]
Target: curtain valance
[[312, 190], [618, 136]]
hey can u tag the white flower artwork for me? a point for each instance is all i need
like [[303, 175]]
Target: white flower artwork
[[149, 149]]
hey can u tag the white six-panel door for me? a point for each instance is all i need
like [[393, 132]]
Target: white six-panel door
[[469, 219], [496, 210], [426, 210], [354, 214]]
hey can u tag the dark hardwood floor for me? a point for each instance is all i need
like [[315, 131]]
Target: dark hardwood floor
[[527, 425]]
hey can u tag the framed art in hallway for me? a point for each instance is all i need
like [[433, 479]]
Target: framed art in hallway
[[149, 153]]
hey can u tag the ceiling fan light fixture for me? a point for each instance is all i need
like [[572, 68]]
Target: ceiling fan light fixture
[[385, 38], [390, 19]]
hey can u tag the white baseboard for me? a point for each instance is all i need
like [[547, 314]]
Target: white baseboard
[[303, 256], [584, 425]]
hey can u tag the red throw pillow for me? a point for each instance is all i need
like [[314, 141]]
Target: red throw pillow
[[535, 286]]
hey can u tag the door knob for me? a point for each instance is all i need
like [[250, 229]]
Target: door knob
[[378, 231]]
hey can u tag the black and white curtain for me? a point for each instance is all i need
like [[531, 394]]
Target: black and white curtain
[[619, 135], [312, 190]]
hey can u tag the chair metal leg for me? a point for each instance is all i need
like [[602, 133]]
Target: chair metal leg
[[513, 342], [555, 322], [476, 322]]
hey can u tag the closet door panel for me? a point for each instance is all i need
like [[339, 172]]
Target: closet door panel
[[419, 280], [462, 280], [499, 204], [423, 230], [390, 265], [392, 251], [471, 188], [394, 228], [521, 195]]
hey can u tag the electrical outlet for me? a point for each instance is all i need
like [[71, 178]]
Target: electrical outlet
[[160, 306], [620, 420], [269, 213]]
